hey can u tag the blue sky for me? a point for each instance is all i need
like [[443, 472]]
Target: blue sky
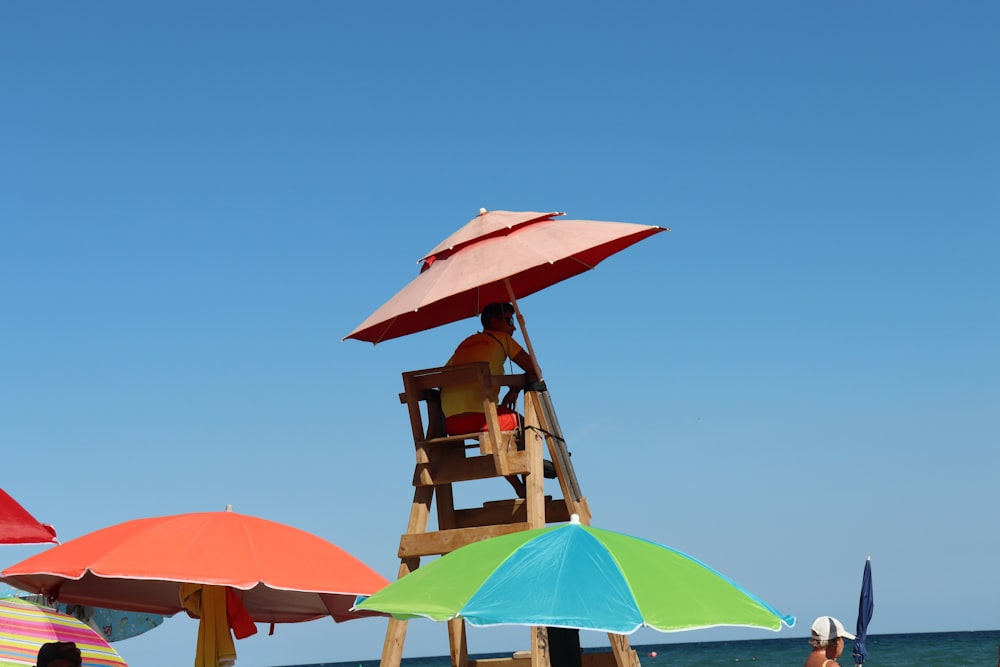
[[199, 200]]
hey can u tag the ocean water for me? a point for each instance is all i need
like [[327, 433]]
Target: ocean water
[[940, 649]]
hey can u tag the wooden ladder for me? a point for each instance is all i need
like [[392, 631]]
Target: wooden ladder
[[444, 460]]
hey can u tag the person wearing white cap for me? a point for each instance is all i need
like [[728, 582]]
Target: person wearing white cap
[[827, 641]]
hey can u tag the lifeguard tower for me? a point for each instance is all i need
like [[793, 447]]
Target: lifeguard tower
[[443, 460]]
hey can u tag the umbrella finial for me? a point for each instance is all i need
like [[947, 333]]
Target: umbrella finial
[[482, 211], [574, 519], [229, 508]]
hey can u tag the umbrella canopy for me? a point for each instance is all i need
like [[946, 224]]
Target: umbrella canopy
[[497, 256], [283, 574], [866, 605], [25, 626], [17, 526], [114, 624], [574, 576]]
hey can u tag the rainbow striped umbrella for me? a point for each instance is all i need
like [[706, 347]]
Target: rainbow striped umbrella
[[115, 625], [25, 626]]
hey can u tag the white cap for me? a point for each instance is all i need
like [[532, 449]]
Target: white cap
[[826, 628]]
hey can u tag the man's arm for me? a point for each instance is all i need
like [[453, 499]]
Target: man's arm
[[527, 364]]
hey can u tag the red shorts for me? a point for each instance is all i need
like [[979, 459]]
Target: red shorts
[[472, 422]]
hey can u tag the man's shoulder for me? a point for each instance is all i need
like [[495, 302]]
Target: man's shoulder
[[475, 338], [501, 336]]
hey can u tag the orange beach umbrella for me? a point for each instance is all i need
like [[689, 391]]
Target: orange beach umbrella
[[228, 570], [281, 574]]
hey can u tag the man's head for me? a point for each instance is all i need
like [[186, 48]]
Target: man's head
[[59, 654], [498, 317]]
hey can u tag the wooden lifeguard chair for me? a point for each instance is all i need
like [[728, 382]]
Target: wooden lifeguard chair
[[444, 460]]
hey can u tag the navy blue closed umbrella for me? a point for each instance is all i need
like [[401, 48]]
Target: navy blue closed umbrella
[[865, 607]]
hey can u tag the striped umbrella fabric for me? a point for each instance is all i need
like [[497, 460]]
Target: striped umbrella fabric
[[25, 626], [115, 625]]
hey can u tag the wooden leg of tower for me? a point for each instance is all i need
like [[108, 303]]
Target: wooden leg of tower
[[392, 649], [420, 512], [458, 647], [395, 633], [625, 656], [535, 479], [540, 656]]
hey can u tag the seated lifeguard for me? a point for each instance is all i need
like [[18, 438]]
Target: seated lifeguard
[[461, 404]]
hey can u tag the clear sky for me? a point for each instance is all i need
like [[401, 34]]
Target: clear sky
[[199, 200]]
